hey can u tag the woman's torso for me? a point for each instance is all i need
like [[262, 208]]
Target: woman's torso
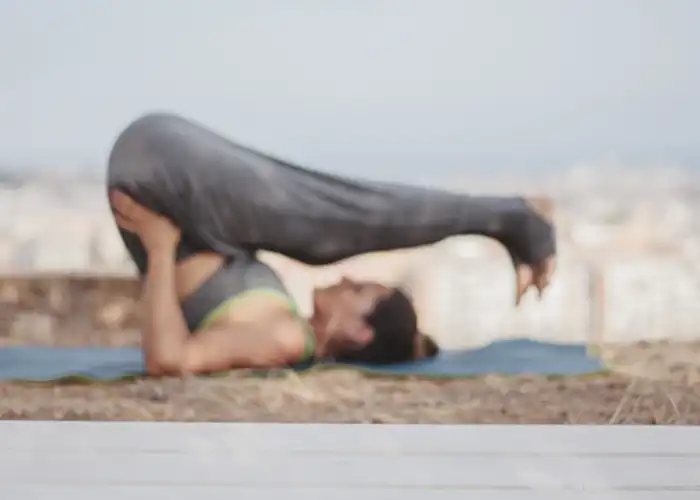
[[193, 271], [214, 290]]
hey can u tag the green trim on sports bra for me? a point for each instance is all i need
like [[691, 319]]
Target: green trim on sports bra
[[218, 311]]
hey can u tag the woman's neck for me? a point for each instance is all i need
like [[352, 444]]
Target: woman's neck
[[318, 325]]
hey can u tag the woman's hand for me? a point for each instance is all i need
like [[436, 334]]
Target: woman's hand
[[157, 233]]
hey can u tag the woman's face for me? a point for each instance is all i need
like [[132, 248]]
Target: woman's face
[[344, 307]]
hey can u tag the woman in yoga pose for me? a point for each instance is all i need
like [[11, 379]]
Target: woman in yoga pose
[[193, 208]]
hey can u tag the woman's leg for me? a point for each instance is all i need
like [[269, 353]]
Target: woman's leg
[[140, 166], [228, 198]]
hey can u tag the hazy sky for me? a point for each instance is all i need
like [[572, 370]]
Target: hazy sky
[[360, 86]]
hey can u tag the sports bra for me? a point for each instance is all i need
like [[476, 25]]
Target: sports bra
[[237, 278]]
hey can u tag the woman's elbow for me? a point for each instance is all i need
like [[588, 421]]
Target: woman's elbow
[[287, 346], [163, 365]]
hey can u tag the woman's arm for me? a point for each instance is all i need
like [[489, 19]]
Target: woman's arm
[[275, 337], [272, 343], [277, 340], [165, 330]]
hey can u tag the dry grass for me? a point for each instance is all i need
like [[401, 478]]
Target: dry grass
[[346, 396]]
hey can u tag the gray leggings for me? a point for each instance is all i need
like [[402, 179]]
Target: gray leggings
[[230, 199]]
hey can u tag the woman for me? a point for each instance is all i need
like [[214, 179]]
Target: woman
[[193, 208]]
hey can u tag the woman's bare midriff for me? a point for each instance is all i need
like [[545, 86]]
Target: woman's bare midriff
[[192, 272]]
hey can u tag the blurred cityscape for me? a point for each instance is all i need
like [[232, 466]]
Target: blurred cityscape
[[60, 219], [636, 229]]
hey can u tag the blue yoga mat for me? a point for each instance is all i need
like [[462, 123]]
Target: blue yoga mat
[[510, 357]]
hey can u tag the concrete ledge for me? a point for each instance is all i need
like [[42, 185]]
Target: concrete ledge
[[216, 461], [68, 310]]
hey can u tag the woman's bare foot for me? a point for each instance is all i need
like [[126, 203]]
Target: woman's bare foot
[[539, 233]]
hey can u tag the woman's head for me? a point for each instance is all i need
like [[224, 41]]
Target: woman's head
[[370, 323]]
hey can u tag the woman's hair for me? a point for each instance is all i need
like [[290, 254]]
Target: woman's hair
[[395, 326]]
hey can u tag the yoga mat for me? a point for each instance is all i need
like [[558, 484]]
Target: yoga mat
[[509, 357]]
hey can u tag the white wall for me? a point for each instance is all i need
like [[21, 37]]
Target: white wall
[[651, 297], [469, 301]]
